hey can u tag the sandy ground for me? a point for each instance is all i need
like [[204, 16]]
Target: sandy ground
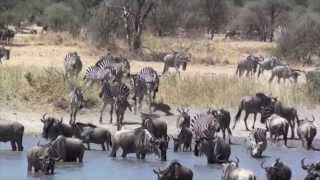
[[46, 55]]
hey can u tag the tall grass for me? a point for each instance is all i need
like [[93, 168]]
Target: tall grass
[[42, 87], [225, 91]]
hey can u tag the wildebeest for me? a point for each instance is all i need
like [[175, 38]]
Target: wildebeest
[[160, 106], [232, 34], [93, 134], [68, 149], [278, 171], [257, 142], [72, 64], [250, 65], [289, 113], [157, 127], [175, 171], [251, 105], [307, 131], [121, 104], [269, 64], [6, 35], [13, 132], [40, 157], [276, 125], [184, 138], [312, 169], [215, 149], [223, 117], [175, 60], [284, 72], [53, 127], [232, 171], [76, 103], [4, 53], [139, 141]]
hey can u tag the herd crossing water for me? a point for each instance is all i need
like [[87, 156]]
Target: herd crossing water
[[98, 165]]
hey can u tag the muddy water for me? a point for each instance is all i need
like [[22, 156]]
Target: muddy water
[[98, 165]]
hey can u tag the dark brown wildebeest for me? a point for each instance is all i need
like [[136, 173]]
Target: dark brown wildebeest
[[223, 117], [185, 138], [252, 105], [175, 171], [13, 132], [312, 169], [278, 171], [307, 131]]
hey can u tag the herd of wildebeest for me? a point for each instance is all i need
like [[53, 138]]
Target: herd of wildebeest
[[197, 132]]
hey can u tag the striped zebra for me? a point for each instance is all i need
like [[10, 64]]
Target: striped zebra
[[257, 142], [72, 64], [118, 62], [97, 74], [121, 103], [112, 93], [76, 103], [4, 53], [204, 125], [145, 83]]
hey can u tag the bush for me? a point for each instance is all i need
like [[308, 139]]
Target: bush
[[60, 17]]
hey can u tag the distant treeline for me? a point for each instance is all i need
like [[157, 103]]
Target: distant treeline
[[296, 21]]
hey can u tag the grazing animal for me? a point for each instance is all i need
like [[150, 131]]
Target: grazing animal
[[269, 64], [157, 127], [13, 132], [251, 105], [204, 125], [68, 149], [98, 74], [175, 60], [250, 65], [215, 149], [139, 141], [278, 171], [276, 125], [115, 94], [223, 117], [120, 63], [232, 171], [6, 35], [93, 134], [72, 64], [184, 138], [175, 171], [184, 118], [231, 34], [307, 131], [145, 83], [40, 158], [161, 107], [52, 128], [257, 142], [76, 103], [312, 169], [289, 113], [284, 72], [4, 53]]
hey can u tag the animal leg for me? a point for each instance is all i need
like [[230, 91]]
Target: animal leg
[[229, 134], [19, 143], [245, 121], [29, 166], [271, 78], [254, 119], [88, 144], [124, 153], [13, 145], [111, 112], [103, 147], [101, 112]]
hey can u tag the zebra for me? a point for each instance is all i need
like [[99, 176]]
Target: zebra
[[96, 74], [121, 103], [118, 62], [145, 83], [114, 93], [257, 142], [4, 53], [204, 125], [76, 103], [72, 64]]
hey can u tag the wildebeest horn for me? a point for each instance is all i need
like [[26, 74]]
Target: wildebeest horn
[[43, 117], [237, 160], [304, 166], [262, 165]]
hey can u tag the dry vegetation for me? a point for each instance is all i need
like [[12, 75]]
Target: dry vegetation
[[34, 75]]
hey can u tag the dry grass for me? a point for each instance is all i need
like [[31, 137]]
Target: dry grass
[[225, 91], [204, 51]]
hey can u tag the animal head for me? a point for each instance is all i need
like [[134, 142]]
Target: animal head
[[184, 117], [257, 149], [313, 169], [169, 173], [160, 148], [51, 127], [277, 170], [47, 164], [232, 164]]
